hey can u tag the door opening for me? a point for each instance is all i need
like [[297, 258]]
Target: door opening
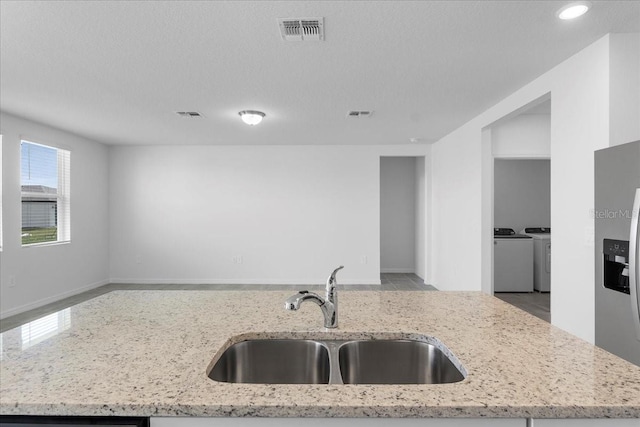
[[402, 220], [516, 198]]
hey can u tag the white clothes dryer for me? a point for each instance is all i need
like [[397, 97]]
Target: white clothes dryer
[[541, 257]]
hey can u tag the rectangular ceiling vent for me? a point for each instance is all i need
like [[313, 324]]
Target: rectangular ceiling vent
[[192, 114], [301, 29], [357, 114]]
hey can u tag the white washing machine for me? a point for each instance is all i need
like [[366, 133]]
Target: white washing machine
[[512, 265], [541, 257]]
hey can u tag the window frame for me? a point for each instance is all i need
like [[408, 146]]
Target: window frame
[[63, 194]]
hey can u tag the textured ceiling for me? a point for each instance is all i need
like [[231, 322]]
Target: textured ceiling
[[118, 71]]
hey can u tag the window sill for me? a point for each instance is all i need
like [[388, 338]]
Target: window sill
[[34, 245]]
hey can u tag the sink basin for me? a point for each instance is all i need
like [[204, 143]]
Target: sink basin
[[301, 361], [273, 362], [395, 362]]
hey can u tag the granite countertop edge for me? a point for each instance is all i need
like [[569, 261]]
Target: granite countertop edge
[[284, 411]]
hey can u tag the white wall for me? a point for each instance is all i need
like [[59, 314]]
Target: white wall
[[624, 86], [522, 193], [579, 126], [180, 214], [455, 209], [46, 273], [579, 90], [523, 136], [398, 214], [1, 210]]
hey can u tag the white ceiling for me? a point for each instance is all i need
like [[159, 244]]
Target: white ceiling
[[118, 71]]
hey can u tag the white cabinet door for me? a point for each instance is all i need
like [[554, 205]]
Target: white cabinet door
[[335, 422], [609, 422]]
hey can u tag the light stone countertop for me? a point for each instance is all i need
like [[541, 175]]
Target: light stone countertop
[[145, 353]]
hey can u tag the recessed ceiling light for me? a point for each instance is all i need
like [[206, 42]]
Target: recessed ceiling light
[[251, 117], [573, 10]]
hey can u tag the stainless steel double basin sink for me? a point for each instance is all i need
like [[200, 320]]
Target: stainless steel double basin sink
[[303, 361]]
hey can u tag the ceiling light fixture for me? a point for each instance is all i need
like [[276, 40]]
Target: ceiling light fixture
[[574, 10], [251, 117]]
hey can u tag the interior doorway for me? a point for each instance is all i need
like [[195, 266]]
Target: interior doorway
[[522, 204], [516, 204], [402, 219]]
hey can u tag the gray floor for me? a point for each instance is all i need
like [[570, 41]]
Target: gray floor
[[389, 282], [403, 282], [536, 303]]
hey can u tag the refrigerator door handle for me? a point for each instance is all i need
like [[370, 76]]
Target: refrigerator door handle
[[634, 262]]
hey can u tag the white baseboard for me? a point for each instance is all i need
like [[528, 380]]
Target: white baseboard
[[397, 270], [49, 300], [237, 281]]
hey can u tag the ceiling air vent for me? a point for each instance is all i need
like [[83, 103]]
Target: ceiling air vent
[[301, 29], [359, 114], [188, 114]]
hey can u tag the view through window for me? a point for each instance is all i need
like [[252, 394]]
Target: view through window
[[44, 177]]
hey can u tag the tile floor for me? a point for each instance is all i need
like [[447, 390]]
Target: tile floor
[[389, 282], [536, 303]]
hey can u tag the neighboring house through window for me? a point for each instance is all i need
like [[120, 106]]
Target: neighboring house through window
[[45, 187]]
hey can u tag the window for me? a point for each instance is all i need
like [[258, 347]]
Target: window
[[44, 177]]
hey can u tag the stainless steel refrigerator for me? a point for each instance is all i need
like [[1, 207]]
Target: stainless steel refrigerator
[[616, 213]]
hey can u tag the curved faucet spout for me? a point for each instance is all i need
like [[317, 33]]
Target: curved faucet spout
[[294, 301], [328, 305]]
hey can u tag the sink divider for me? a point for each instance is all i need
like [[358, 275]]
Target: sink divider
[[335, 375]]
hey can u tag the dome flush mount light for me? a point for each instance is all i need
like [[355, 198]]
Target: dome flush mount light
[[251, 117], [574, 10]]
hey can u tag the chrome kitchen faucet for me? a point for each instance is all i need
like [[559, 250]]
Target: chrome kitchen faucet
[[328, 305]]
